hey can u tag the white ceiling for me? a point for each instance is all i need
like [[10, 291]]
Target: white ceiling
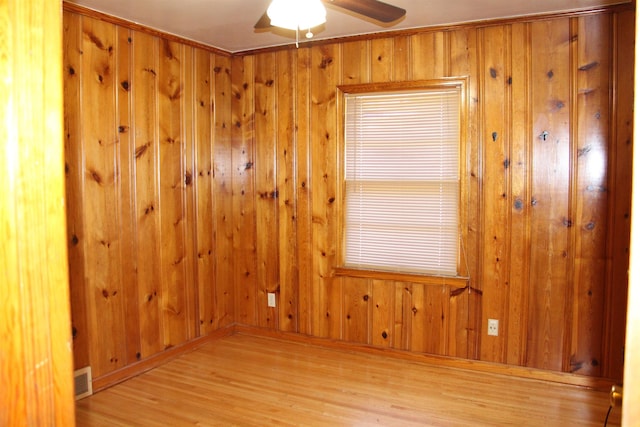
[[228, 24]]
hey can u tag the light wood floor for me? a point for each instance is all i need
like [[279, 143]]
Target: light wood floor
[[255, 381]]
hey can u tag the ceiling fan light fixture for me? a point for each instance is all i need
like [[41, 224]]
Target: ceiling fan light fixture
[[297, 14]]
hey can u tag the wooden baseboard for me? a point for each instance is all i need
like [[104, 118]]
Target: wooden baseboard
[[130, 371], [115, 377], [595, 383]]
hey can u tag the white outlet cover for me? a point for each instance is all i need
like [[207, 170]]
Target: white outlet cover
[[271, 299], [492, 327]]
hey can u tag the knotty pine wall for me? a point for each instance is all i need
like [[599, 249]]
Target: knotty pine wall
[[198, 182], [150, 237]]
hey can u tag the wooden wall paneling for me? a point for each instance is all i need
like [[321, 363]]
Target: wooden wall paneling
[[266, 187], [229, 133], [550, 195], [36, 361], [188, 194], [382, 317], [203, 189], [126, 197], [620, 164], [325, 75], [357, 310], [519, 175], [429, 328], [381, 59], [304, 227], [243, 164], [495, 140], [72, 60], [171, 171], [428, 57], [355, 62], [458, 322], [418, 316], [107, 344], [403, 314], [463, 61], [144, 89], [402, 58], [286, 184], [592, 135]]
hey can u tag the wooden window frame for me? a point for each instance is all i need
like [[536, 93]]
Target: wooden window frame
[[459, 280]]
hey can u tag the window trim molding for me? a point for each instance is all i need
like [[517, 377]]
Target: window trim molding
[[442, 83]]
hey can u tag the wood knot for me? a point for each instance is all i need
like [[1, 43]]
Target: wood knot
[[384, 334], [365, 298], [518, 204]]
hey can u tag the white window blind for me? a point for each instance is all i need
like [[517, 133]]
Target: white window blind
[[402, 181]]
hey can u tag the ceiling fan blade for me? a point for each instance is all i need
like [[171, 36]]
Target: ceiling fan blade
[[263, 23], [373, 9]]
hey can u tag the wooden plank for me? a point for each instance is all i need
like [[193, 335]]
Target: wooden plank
[[203, 183], [107, 345], [289, 286], [304, 216], [402, 59], [520, 175], [465, 331], [144, 89], [266, 190], [550, 216], [36, 362], [171, 203], [621, 165], [74, 183], [325, 71], [417, 314], [225, 131], [382, 318], [357, 305], [188, 194], [381, 59], [126, 196], [592, 127], [355, 62], [495, 140], [428, 56], [242, 153]]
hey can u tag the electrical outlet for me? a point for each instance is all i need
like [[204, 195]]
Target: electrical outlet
[[271, 299], [492, 327]]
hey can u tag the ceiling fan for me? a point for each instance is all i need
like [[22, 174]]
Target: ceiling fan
[[376, 10]]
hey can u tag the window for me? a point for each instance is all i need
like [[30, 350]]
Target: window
[[402, 180]]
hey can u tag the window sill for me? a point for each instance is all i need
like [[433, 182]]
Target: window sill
[[453, 281]]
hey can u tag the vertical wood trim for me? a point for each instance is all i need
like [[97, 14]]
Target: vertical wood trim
[[36, 362], [621, 153]]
